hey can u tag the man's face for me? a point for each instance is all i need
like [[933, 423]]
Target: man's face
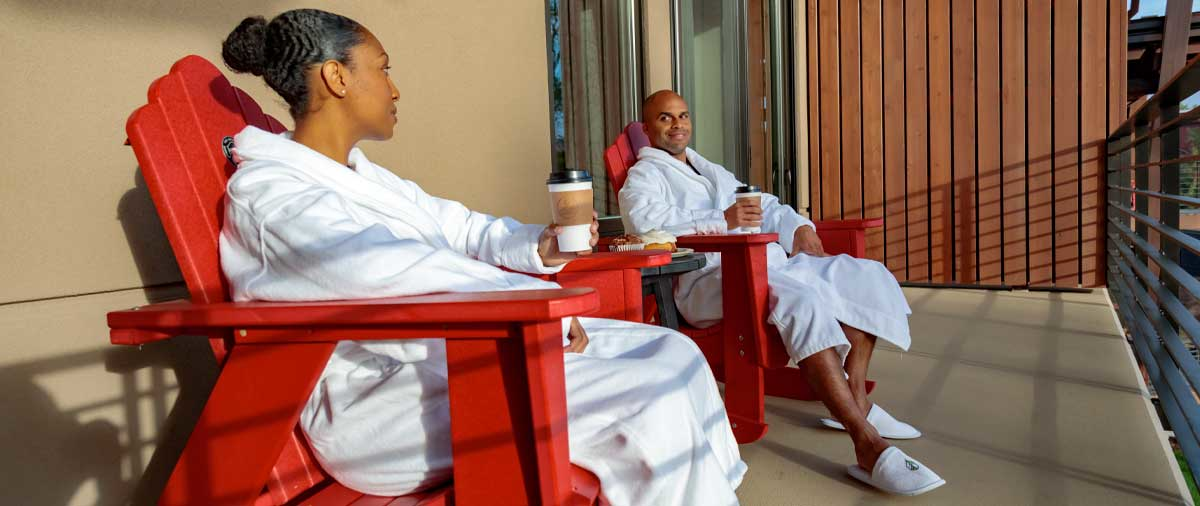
[[670, 129]]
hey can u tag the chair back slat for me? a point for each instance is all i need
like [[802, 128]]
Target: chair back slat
[[622, 154], [178, 140], [637, 138]]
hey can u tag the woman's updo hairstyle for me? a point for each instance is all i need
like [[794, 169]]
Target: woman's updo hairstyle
[[282, 50]]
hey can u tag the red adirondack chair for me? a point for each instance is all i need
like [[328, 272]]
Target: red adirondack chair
[[743, 350], [504, 352]]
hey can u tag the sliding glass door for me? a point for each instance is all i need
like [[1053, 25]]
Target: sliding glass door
[[712, 78]]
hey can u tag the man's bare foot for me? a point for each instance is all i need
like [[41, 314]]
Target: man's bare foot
[[868, 448]]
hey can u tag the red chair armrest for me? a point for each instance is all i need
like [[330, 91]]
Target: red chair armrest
[[724, 243], [605, 261], [446, 314], [849, 224], [846, 236]]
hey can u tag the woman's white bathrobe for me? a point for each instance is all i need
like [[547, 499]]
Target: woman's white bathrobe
[[809, 295], [644, 412]]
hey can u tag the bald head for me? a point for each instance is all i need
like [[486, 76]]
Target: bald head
[[667, 122], [656, 101]]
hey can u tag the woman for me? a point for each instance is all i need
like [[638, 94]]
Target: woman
[[309, 217]]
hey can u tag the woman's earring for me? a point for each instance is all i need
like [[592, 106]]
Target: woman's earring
[[343, 93]]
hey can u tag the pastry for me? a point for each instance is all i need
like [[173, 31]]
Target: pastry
[[627, 242], [657, 239]]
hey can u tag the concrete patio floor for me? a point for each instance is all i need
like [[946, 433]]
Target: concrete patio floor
[[1025, 398]]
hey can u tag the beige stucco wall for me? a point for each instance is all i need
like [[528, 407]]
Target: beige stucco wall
[[82, 418]]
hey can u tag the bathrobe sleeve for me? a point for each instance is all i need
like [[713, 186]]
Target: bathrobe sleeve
[[647, 206], [777, 218], [497, 241], [310, 247]]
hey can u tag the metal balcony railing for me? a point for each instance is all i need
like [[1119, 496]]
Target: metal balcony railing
[[1157, 296]]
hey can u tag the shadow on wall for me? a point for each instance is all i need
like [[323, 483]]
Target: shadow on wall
[[191, 359], [148, 243], [60, 449], [47, 455]]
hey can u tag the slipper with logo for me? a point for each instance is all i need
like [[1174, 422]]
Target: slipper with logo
[[897, 473], [887, 426]]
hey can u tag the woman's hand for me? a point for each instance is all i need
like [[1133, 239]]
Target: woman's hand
[[807, 242], [579, 338], [548, 245]]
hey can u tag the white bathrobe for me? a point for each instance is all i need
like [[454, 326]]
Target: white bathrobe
[[809, 295], [644, 413]]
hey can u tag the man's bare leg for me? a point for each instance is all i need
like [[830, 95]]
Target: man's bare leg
[[827, 378], [862, 345]]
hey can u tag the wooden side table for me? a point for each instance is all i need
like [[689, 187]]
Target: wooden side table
[[657, 281]]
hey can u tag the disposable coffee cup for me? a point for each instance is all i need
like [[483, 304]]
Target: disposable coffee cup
[[571, 208], [749, 193]]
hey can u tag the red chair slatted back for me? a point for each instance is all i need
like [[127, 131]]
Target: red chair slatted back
[[618, 158], [637, 137], [177, 138], [622, 154]]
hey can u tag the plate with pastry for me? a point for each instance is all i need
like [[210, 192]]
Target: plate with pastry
[[680, 252], [657, 239]]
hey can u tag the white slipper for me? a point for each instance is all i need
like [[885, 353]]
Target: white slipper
[[887, 426], [899, 474]]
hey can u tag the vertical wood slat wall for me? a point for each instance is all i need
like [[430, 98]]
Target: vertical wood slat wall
[[973, 127]]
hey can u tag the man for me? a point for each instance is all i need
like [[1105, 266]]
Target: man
[[829, 310]]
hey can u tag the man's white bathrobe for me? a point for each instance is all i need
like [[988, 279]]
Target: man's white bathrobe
[[809, 295], [644, 412]]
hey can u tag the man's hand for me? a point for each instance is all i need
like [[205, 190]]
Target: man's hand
[[579, 338], [548, 245], [807, 242], [743, 214]]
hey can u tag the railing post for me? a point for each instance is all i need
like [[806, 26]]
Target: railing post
[[1112, 175], [1142, 155], [1168, 182]]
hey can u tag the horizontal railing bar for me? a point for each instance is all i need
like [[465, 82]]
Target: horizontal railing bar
[[1177, 386], [1191, 201], [1185, 159], [1174, 234], [1173, 269], [1182, 85], [1174, 343], [1174, 412], [1174, 123]]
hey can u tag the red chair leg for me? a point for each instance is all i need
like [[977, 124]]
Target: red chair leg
[[245, 423], [744, 390], [789, 383], [517, 452]]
